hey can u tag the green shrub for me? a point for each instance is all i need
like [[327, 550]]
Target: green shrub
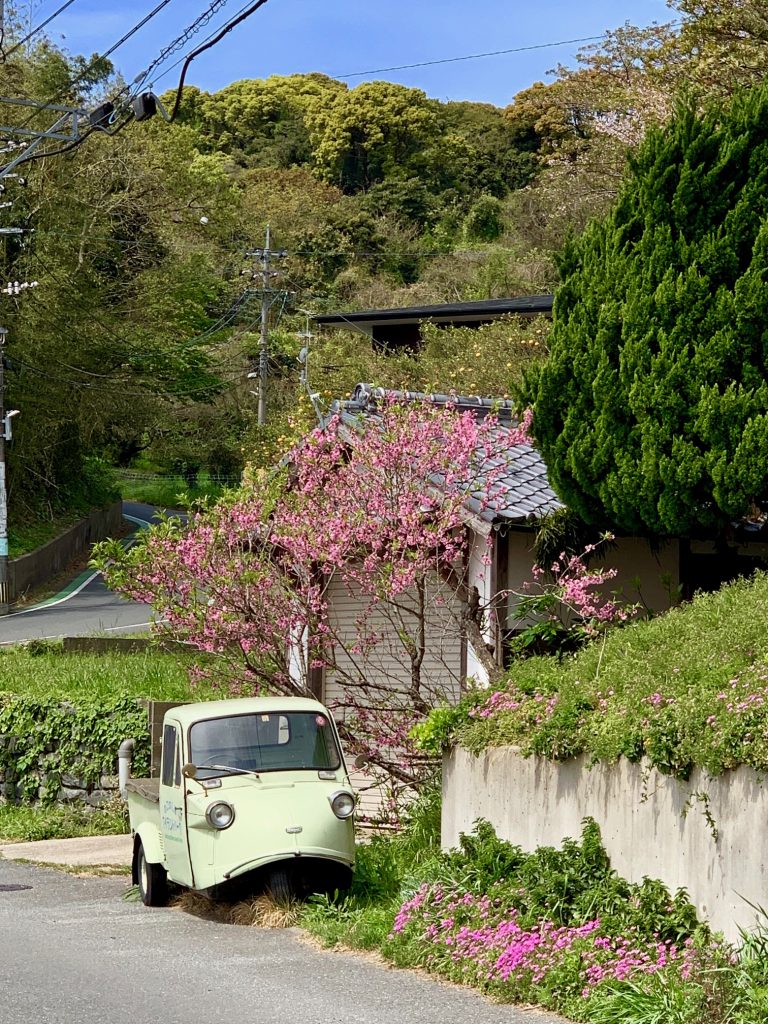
[[689, 688], [44, 740]]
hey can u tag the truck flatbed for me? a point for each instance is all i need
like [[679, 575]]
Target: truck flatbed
[[148, 788]]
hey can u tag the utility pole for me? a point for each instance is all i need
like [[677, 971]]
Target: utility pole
[[264, 339], [265, 256], [4, 589]]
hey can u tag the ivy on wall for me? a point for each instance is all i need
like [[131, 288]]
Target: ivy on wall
[[43, 741]]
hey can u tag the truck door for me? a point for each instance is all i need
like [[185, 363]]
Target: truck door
[[173, 817]]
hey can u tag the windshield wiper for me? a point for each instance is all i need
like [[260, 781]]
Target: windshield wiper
[[229, 768]]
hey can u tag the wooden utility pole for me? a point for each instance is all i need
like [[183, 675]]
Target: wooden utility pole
[[264, 339], [265, 257], [4, 587]]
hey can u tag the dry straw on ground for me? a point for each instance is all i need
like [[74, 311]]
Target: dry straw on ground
[[262, 911]]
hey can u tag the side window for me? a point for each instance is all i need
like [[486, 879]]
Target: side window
[[169, 755]]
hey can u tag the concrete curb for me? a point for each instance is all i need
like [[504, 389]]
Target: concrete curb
[[87, 851]]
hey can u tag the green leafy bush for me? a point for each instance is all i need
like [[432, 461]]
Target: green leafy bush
[[689, 688], [44, 740]]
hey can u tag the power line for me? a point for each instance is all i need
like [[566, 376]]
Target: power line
[[180, 40], [168, 70], [232, 23], [472, 56], [66, 280], [38, 28]]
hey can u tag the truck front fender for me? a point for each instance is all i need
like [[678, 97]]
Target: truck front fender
[[149, 837]]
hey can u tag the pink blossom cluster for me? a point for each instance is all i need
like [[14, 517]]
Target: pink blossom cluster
[[577, 586], [484, 939], [533, 709]]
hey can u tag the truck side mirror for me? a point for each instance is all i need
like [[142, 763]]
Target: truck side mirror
[[189, 771], [361, 761]]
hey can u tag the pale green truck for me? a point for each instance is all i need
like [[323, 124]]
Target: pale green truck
[[252, 793]]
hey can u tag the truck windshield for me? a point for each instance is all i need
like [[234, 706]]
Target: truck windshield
[[270, 742]]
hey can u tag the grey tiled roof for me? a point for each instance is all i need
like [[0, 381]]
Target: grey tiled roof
[[520, 487]]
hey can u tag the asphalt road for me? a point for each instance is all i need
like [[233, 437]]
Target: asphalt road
[[73, 952], [89, 610]]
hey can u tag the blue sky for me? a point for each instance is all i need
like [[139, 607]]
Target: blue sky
[[340, 37]]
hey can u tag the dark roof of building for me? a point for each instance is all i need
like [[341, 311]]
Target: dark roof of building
[[522, 487], [492, 308]]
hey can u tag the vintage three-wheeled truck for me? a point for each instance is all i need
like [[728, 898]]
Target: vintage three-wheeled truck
[[252, 793]]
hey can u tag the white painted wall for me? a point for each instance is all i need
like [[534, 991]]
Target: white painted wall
[[388, 664], [657, 572], [644, 576], [479, 574], [651, 824]]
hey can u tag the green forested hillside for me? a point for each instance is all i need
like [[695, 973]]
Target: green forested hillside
[[135, 347]]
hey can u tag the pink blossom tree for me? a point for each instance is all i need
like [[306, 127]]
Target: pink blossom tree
[[377, 508]]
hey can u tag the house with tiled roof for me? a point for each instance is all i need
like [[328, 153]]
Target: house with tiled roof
[[501, 530]]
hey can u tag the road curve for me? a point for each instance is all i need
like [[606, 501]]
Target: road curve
[[85, 608]]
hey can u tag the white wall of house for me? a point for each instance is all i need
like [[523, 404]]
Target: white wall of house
[[388, 663], [645, 576], [703, 834], [482, 576]]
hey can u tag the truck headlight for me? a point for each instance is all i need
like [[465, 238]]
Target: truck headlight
[[220, 815], [342, 804]]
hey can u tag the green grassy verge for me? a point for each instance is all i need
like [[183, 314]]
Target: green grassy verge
[[170, 491], [689, 688], [22, 823], [150, 674], [26, 537]]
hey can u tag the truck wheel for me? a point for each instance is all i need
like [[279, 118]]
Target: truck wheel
[[153, 882], [281, 885]]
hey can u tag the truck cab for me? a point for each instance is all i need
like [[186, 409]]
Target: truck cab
[[252, 793]]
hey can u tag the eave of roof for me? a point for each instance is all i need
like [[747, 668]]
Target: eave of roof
[[529, 304]]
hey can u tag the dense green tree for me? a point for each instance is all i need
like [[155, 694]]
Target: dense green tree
[[652, 410], [372, 132]]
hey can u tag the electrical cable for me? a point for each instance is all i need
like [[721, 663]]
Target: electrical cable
[[236, 20], [471, 56], [38, 28], [489, 53], [187, 343], [168, 70], [180, 40]]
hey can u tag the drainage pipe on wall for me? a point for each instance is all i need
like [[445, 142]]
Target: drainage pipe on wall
[[124, 762]]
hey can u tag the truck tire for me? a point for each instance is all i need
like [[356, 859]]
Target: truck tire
[[281, 885], [153, 882]]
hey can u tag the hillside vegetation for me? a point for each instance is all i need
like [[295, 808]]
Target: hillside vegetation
[[687, 688]]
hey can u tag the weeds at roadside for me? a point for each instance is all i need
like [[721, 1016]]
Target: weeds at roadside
[[20, 823]]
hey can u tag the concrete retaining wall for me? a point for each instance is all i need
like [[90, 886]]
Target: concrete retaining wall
[[38, 566], [705, 835]]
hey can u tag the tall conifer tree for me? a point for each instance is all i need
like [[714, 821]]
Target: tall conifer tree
[[652, 411]]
